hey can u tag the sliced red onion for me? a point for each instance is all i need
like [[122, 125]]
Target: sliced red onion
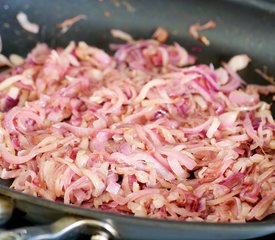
[[113, 188], [160, 34], [228, 119], [137, 133], [233, 180], [10, 103], [117, 33], [67, 23], [77, 131], [213, 127], [259, 210], [234, 82], [23, 20], [241, 98], [239, 62], [195, 28]]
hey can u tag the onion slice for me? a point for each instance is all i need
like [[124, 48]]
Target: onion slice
[[23, 20]]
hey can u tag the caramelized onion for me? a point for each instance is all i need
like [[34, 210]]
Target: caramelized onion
[[138, 132]]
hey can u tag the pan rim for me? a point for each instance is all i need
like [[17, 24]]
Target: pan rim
[[89, 212]]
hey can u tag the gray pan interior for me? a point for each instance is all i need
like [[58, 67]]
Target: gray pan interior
[[242, 27]]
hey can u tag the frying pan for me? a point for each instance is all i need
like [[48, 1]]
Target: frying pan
[[242, 27]]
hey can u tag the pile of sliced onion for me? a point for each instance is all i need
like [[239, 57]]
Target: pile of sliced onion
[[140, 132]]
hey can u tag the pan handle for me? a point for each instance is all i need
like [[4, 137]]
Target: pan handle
[[64, 228]]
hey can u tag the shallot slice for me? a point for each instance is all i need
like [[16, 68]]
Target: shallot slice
[[67, 23], [160, 34], [195, 28], [117, 33], [23, 20], [239, 62]]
